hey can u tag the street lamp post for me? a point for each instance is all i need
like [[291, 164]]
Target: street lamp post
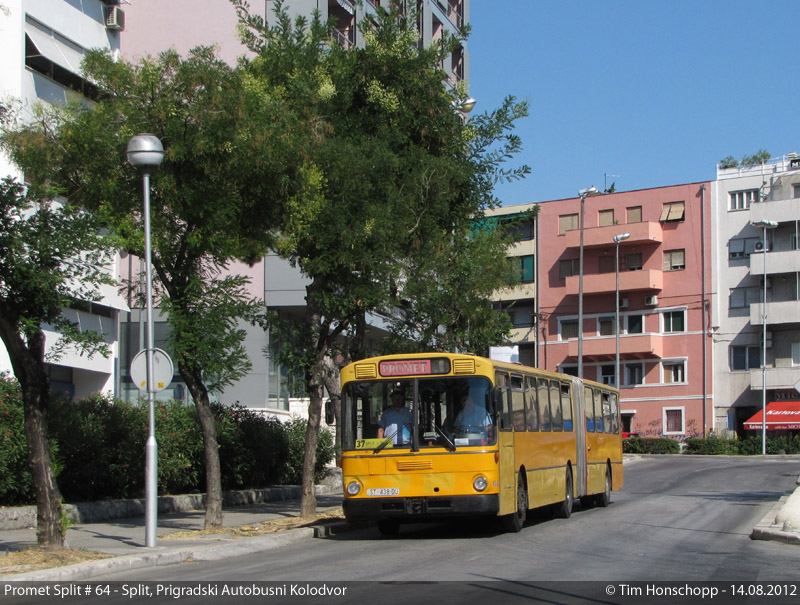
[[146, 152], [617, 239], [584, 193], [764, 224]]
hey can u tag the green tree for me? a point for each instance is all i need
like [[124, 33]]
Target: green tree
[[398, 179], [759, 157], [229, 168], [51, 255]]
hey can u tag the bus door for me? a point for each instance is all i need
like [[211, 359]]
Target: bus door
[[505, 441], [580, 436]]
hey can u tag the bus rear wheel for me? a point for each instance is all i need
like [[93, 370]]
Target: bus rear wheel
[[605, 498], [563, 509], [514, 522]]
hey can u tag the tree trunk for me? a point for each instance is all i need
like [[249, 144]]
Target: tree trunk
[[308, 501], [27, 360], [210, 447]]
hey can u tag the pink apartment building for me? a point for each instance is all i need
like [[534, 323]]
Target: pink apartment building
[[665, 359]]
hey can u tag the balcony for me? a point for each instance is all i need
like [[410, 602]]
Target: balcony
[[780, 211], [777, 262], [595, 237], [631, 346], [777, 378], [787, 312], [629, 281]]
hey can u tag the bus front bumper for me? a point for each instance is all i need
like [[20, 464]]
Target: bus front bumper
[[419, 509]]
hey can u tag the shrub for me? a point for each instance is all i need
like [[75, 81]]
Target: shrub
[[644, 445], [16, 486], [296, 434], [711, 446]]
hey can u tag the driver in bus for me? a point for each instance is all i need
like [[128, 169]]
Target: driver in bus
[[472, 418], [396, 421]]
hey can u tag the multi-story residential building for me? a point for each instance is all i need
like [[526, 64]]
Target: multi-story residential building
[[153, 26], [665, 359], [520, 301], [744, 197], [41, 48]]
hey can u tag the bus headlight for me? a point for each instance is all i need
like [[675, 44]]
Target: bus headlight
[[353, 488], [480, 483]]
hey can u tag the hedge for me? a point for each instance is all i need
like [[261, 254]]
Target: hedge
[[713, 446], [98, 446]]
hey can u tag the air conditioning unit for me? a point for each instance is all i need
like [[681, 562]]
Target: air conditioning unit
[[759, 246], [651, 301], [624, 303], [115, 18]]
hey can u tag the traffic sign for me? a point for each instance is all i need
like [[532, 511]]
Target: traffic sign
[[162, 370]]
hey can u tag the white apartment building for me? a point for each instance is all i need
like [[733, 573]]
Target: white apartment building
[[42, 43], [743, 197]]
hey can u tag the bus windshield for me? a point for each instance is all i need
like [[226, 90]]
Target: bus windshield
[[418, 413]]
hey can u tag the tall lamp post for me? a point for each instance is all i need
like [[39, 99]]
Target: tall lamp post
[[584, 193], [617, 239], [764, 224], [146, 152]]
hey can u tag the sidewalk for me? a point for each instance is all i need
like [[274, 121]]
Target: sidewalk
[[124, 539]]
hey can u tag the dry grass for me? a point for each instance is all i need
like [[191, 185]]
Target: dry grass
[[35, 559]]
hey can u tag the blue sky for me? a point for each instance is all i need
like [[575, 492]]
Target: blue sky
[[655, 92]]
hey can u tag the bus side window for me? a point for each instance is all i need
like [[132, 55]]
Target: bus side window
[[517, 403], [543, 404], [533, 411], [588, 408], [566, 406], [555, 405], [598, 412], [614, 418], [607, 412], [501, 379]]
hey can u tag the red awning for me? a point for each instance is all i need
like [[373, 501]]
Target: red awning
[[781, 416]]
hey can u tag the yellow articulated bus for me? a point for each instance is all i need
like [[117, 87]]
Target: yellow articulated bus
[[438, 435]]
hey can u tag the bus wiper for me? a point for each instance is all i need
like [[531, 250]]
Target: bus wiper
[[386, 442], [448, 443]]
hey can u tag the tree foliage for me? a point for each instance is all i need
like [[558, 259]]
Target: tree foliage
[[51, 255], [396, 180], [232, 165]]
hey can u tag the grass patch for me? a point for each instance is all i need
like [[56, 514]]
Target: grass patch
[[35, 559]]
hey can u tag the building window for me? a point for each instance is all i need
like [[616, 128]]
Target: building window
[[635, 324], [674, 260], [605, 218], [745, 357], [796, 191], [673, 211], [605, 326], [568, 329], [633, 262], [607, 374], [741, 200], [634, 214], [523, 268], [674, 321], [796, 354], [741, 298], [567, 222], [673, 421], [607, 264], [674, 372], [633, 373], [568, 268], [518, 230], [521, 312], [743, 247]]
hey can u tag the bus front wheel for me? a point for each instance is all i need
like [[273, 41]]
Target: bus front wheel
[[515, 521]]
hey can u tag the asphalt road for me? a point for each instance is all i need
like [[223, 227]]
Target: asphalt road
[[679, 519]]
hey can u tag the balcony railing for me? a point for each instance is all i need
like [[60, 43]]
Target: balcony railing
[[631, 346], [629, 281], [777, 378], [641, 233], [787, 312], [786, 261]]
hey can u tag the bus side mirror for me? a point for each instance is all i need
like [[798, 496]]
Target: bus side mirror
[[330, 417], [498, 401]]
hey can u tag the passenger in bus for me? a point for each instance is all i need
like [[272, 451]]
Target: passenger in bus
[[518, 418], [472, 418], [396, 421]]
